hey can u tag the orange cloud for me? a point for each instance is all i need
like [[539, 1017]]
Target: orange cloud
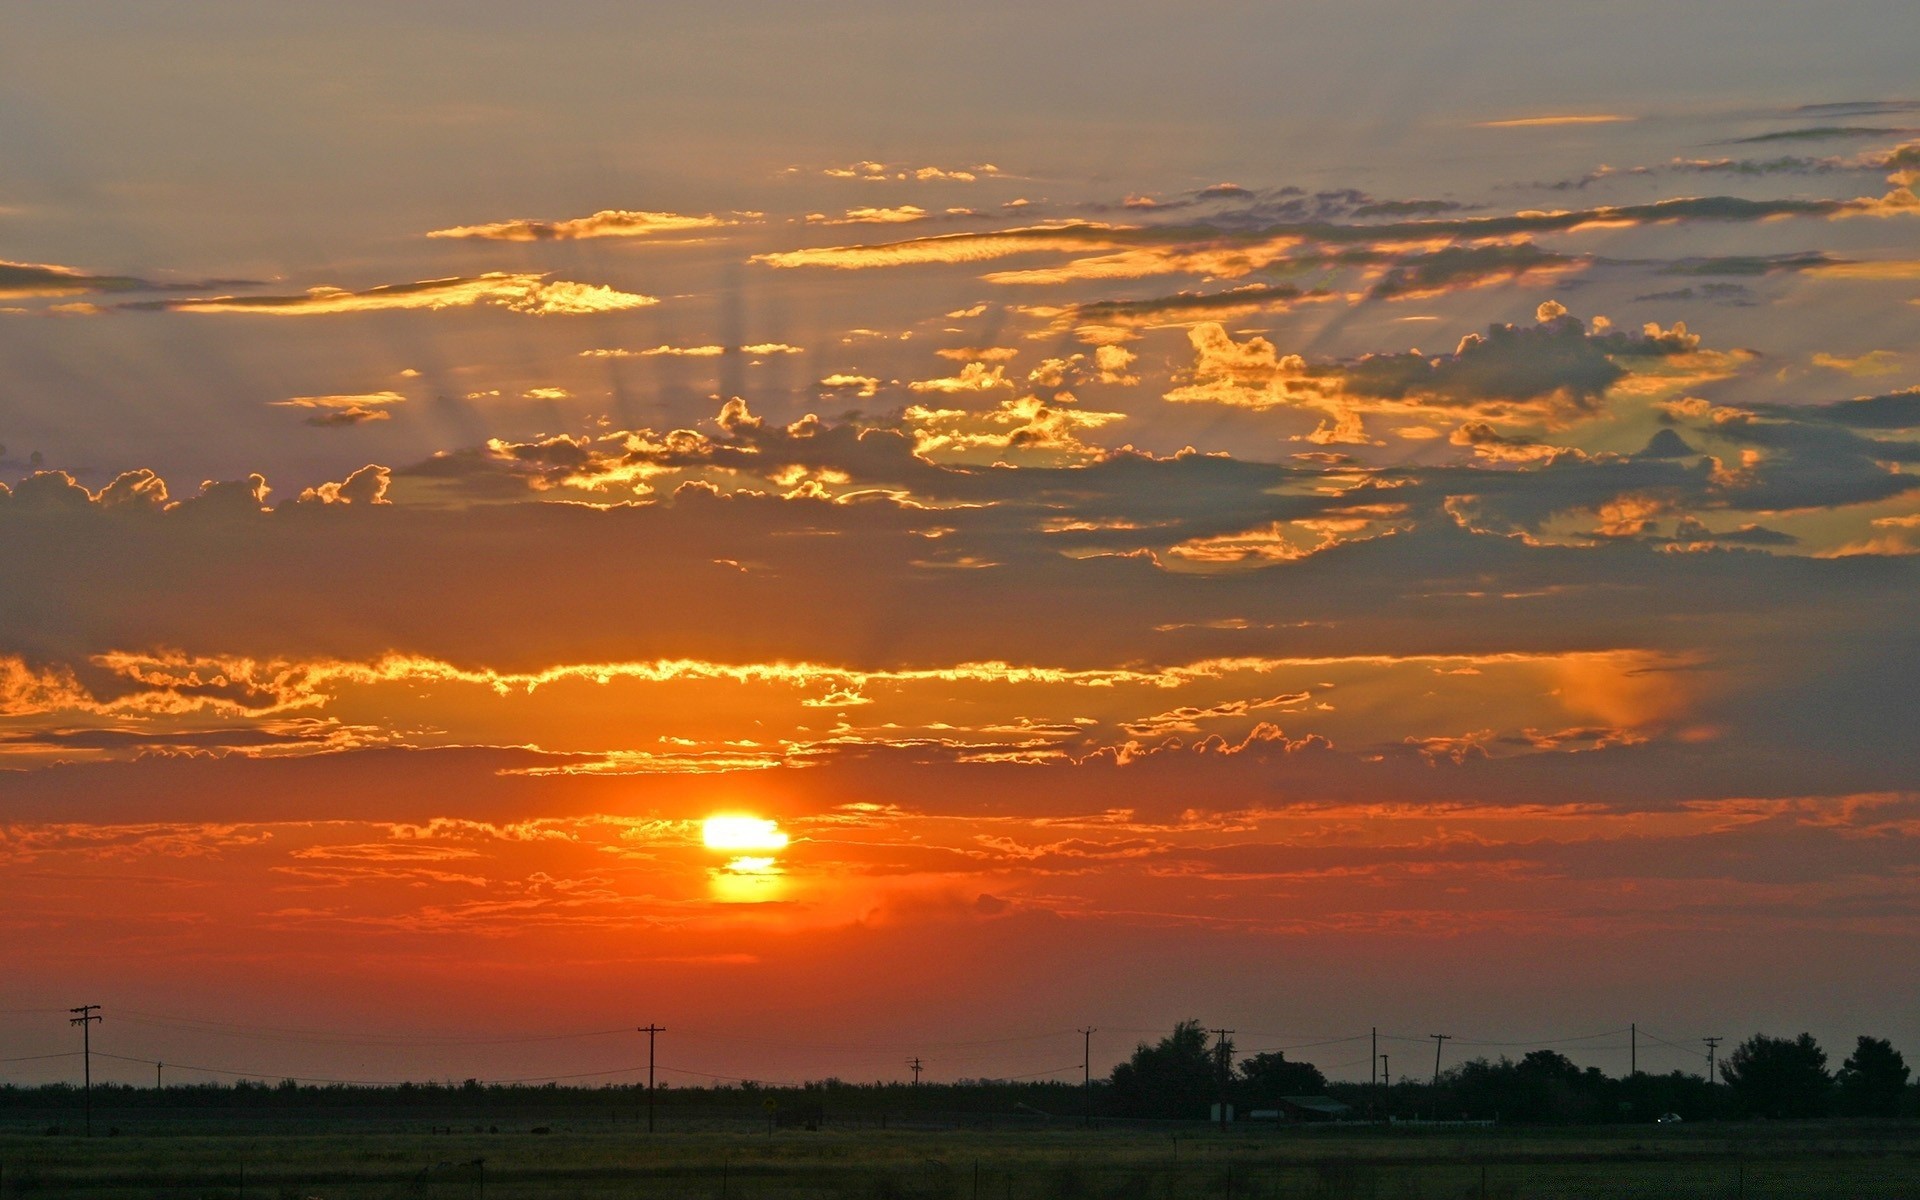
[[516, 291], [606, 223], [947, 248], [904, 214], [360, 400], [1570, 119]]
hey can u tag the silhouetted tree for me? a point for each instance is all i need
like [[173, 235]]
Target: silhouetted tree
[[1779, 1077], [1177, 1078], [1264, 1078], [1873, 1080]]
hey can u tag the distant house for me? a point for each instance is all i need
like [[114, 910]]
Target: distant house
[[1313, 1108]]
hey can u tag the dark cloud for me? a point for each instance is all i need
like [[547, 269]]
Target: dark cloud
[[25, 280], [1893, 410], [1470, 266], [1820, 133]]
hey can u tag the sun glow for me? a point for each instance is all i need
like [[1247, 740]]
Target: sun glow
[[736, 834]]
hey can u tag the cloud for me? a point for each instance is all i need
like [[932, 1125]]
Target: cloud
[[904, 214], [1891, 410], [973, 377], [945, 248], [1556, 368], [24, 281], [863, 386], [606, 223], [1873, 362], [516, 291], [340, 418], [358, 400], [706, 351], [868, 171], [1185, 307], [1817, 133], [1423, 276], [709, 351], [1571, 119]]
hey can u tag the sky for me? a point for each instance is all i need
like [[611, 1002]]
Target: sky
[[1306, 516]]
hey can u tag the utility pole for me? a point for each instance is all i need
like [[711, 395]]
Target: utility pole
[[650, 1029], [157, 1068], [914, 1065], [85, 1021], [1386, 1087], [1439, 1040], [1086, 1072], [1226, 1070], [1713, 1047]]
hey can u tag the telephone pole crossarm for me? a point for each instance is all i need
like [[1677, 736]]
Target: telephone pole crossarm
[[1086, 1072], [88, 1014], [650, 1030]]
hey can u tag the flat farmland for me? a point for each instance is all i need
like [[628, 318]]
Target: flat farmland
[[201, 1161]]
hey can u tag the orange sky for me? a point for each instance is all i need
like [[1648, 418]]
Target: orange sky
[[1308, 565]]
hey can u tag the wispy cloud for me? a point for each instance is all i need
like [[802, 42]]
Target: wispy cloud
[[517, 291], [608, 223], [1562, 119]]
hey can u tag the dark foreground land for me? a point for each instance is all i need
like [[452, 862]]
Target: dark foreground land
[[201, 1160]]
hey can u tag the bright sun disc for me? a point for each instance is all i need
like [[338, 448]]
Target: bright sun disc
[[742, 833]]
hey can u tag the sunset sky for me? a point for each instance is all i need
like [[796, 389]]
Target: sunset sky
[[1306, 515]]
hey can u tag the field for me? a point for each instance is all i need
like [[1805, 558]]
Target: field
[[205, 1159]]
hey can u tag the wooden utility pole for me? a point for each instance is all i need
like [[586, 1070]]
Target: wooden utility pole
[[1439, 1040], [1226, 1071], [88, 1015], [650, 1030], [914, 1065], [1086, 1072]]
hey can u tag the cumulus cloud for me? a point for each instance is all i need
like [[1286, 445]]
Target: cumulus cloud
[[1553, 369], [901, 215], [973, 377], [869, 171], [863, 386]]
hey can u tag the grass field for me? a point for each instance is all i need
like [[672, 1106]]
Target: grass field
[[204, 1163]]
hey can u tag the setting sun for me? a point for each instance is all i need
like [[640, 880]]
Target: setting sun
[[737, 833]]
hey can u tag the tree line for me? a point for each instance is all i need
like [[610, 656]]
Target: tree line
[[1178, 1078], [1183, 1075]]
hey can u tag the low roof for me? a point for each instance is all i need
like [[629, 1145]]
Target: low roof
[[1317, 1103]]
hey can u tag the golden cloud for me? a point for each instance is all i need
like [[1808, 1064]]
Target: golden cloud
[[947, 248], [359, 400], [904, 214], [516, 291], [606, 223], [1569, 119]]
